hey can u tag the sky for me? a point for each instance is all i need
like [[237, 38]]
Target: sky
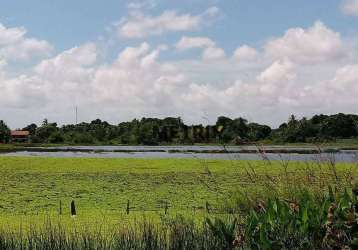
[[120, 60]]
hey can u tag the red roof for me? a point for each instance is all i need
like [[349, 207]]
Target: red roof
[[20, 133]]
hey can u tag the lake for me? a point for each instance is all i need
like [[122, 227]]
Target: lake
[[196, 152]]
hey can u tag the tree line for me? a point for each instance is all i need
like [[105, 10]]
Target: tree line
[[172, 130]]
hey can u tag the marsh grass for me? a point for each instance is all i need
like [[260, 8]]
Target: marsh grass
[[232, 190], [306, 223], [178, 233]]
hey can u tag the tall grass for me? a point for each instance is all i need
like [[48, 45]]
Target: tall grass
[[178, 233], [306, 223], [309, 206], [291, 182]]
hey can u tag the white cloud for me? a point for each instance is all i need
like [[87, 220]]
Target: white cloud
[[11, 35], [84, 55], [139, 25], [20, 91], [350, 7], [15, 46], [313, 45], [133, 85], [346, 79], [26, 49], [213, 53], [139, 82], [278, 72], [275, 79], [194, 42], [210, 52], [142, 4], [68, 75], [245, 53]]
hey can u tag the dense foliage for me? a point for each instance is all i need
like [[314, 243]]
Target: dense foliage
[[170, 130], [318, 128], [4, 132], [328, 223], [149, 131]]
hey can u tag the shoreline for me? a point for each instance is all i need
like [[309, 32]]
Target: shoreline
[[182, 149]]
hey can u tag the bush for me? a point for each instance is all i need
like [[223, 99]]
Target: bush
[[56, 137], [305, 224], [85, 138]]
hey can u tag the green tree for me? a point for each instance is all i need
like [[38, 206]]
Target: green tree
[[4, 132], [146, 134], [45, 131], [258, 132], [82, 138], [339, 126], [239, 127], [31, 128], [56, 137]]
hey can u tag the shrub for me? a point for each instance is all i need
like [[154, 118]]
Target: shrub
[[56, 137], [305, 224]]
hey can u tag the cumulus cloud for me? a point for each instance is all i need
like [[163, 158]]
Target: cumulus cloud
[[210, 51], [139, 25], [67, 77], [23, 92], [84, 55], [16, 46], [284, 82], [139, 82], [142, 4], [11, 35], [213, 53], [346, 79], [278, 72], [136, 83], [26, 49], [194, 42], [350, 7], [313, 45], [245, 53]]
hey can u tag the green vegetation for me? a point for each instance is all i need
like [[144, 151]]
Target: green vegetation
[[153, 131], [36, 185], [308, 223], [318, 128], [4, 132], [176, 204], [329, 223]]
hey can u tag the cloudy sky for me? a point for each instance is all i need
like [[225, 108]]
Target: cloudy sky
[[118, 60]]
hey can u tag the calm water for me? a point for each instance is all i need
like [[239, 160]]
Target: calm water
[[166, 152]]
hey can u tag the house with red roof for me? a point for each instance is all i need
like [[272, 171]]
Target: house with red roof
[[20, 136]]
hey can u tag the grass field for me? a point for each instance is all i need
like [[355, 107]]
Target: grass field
[[102, 187], [36, 185], [33, 188]]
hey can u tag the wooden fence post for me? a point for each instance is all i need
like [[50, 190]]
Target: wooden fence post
[[128, 208], [73, 208], [166, 207], [60, 210]]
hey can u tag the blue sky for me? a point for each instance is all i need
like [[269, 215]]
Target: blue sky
[[70, 23], [124, 59]]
